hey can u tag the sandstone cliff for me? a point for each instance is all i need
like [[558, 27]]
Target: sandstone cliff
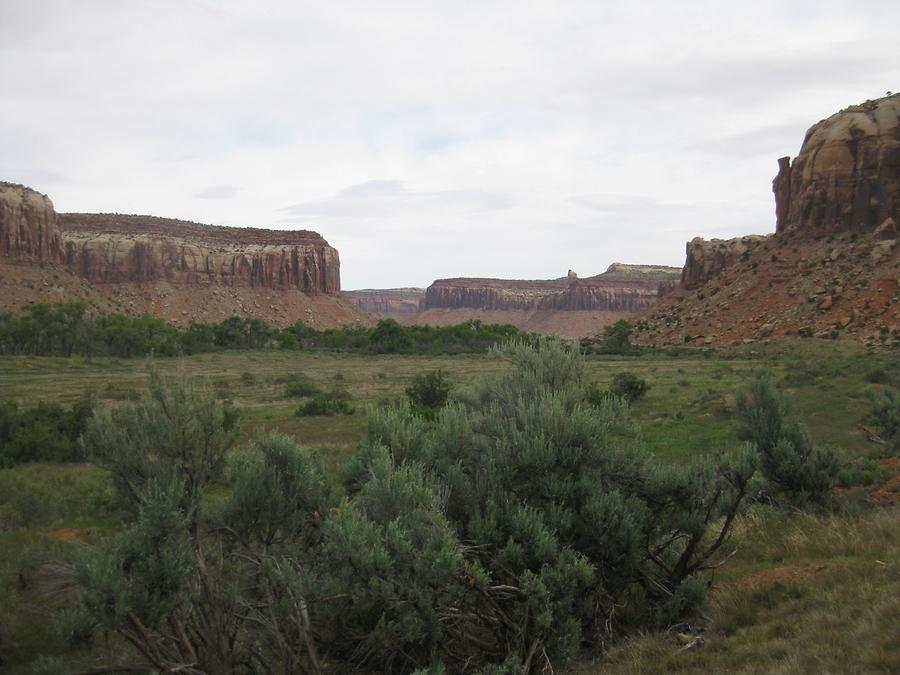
[[108, 248], [27, 224], [832, 269], [400, 304], [172, 269], [847, 174], [505, 294]]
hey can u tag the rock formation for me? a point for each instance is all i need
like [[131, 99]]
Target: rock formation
[[706, 259], [845, 184], [847, 174], [107, 248], [27, 224], [400, 304], [172, 269], [568, 306], [506, 294]]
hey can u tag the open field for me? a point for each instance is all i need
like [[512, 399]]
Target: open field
[[803, 593]]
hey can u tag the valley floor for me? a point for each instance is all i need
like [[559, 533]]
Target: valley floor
[[804, 592]]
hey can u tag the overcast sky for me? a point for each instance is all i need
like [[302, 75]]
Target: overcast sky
[[427, 139]]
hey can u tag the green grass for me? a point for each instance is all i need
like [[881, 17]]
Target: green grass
[[804, 594]]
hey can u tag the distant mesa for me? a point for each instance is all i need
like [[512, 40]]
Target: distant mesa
[[399, 304], [174, 269]]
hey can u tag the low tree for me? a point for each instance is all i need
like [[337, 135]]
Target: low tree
[[617, 338]]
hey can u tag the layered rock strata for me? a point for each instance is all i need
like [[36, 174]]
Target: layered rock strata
[[172, 269], [400, 304], [27, 224], [107, 248]]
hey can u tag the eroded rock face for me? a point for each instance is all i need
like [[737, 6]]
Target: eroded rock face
[[490, 294], [622, 288], [388, 303], [707, 258], [847, 174], [27, 224], [107, 248]]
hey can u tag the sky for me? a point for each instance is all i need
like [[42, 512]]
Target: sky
[[431, 139]]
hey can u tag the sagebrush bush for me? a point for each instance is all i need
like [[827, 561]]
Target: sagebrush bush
[[787, 457], [629, 386], [298, 385], [324, 405], [518, 526], [885, 415]]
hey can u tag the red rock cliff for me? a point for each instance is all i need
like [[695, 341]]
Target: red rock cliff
[[27, 224], [111, 248], [847, 175], [388, 303], [622, 288]]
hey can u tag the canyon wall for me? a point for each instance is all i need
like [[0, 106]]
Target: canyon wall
[[567, 306], [847, 174], [172, 269], [108, 248], [27, 224], [490, 294]]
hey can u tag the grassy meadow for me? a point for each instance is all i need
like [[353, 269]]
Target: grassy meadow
[[804, 592]]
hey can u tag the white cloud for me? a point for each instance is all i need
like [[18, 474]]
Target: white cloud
[[434, 139]]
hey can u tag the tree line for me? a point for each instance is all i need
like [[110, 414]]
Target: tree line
[[68, 329]]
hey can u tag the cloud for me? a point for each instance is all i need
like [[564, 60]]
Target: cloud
[[435, 139], [221, 191], [391, 199]]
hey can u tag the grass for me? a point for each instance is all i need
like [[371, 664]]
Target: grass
[[830, 610], [805, 594]]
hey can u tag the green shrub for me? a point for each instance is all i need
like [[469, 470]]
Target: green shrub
[[629, 386], [617, 338], [429, 392], [248, 379], [788, 459], [324, 405], [298, 385], [885, 415], [46, 433]]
